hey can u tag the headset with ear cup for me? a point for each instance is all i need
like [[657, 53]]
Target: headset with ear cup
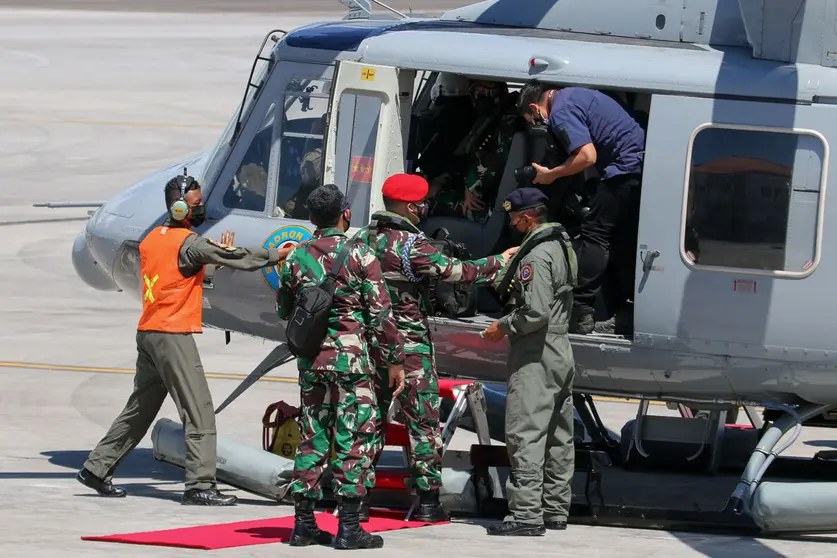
[[179, 209]]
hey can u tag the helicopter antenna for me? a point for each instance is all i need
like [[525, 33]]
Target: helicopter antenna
[[365, 6], [393, 10]]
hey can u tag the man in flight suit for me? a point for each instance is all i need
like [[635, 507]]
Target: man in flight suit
[[596, 131], [409, 261], [539, 408], [172, 260], [336, 389]]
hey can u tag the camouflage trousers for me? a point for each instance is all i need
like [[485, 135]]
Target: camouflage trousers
[[339, 408], [420, 404]]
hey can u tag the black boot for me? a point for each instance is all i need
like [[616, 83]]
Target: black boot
[[582, 323], [208, 497], [429, 508], [306, 532], [363, 514], [350, 534], [513, 528], [103, 487]]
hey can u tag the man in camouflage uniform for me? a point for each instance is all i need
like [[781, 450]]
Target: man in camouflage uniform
[[409, 261], [470, 187], [539, 405], [336, 387]]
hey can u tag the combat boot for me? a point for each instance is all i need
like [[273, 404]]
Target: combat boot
[[102, 486], [306, 532], [555, 525], [581, 323], [429, 508], [607, 326], [350, 535], [208, 497], [363, 514]]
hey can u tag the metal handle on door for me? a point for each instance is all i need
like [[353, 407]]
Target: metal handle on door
[[648, 260]]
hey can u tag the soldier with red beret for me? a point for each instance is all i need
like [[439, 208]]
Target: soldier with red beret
[[409, 262]]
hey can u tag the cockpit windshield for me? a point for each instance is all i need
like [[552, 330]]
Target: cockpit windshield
[[222, 147]]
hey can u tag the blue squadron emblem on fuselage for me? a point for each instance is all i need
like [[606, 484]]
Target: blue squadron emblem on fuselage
[[282, 238]]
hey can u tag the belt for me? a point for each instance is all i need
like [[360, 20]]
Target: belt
[[414, 289], [558, 329]]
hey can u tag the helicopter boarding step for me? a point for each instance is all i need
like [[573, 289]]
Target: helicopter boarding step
[[468, 396], [700, 442]]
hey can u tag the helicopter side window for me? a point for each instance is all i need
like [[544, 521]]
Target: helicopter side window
[[357, 134], [248, 187], [753, 199], [303, 130]]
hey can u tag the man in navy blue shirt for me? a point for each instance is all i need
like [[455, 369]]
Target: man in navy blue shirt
[[595, 131]]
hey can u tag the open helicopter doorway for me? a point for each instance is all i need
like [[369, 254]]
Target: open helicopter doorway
[[456, 148]]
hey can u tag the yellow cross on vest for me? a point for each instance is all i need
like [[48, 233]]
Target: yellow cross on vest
[[149, 284]]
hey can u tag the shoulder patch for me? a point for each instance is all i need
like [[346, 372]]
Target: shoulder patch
[[525, 273], [222, 246]]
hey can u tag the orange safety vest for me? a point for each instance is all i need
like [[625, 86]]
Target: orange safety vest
[[171, 303]]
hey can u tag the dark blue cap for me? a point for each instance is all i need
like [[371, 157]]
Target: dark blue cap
[[524, 198]]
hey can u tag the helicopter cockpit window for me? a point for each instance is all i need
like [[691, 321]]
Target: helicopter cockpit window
[[248, 188], [305, 104], [753, 199]]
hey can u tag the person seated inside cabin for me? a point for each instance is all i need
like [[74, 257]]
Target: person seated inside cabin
[[468, 188], [310, 171], [248, 188], [442, 126]]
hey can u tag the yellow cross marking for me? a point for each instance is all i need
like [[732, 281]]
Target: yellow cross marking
[[149, 284], [367, 74]]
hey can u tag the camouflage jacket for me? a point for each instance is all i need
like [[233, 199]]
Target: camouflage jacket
[[361, 308], [483, 154], [394, 247]]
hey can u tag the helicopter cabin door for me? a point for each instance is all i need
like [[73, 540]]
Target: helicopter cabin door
[[368, 125], [731, 223]]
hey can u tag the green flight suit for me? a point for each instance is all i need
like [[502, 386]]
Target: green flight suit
[[539, 407]]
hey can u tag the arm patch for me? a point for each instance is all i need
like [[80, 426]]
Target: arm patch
[[222, 246], [526, 273]]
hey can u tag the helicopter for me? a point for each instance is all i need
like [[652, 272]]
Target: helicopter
[[737, 99]]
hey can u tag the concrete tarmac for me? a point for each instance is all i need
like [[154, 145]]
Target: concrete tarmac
[[92, 101]]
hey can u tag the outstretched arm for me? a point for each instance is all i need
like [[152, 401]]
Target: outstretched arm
[[427, 261], [197, 251]]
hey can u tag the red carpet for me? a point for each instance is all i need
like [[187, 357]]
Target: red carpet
[[260, 531]]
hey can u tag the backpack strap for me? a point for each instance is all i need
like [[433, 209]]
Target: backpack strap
[[331, 278]]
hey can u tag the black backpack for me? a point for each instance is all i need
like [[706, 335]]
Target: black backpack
[[308, 323]]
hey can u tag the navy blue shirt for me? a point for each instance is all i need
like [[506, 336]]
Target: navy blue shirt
[[580, 116]]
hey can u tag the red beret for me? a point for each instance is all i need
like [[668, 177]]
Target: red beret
[[405, 187]]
